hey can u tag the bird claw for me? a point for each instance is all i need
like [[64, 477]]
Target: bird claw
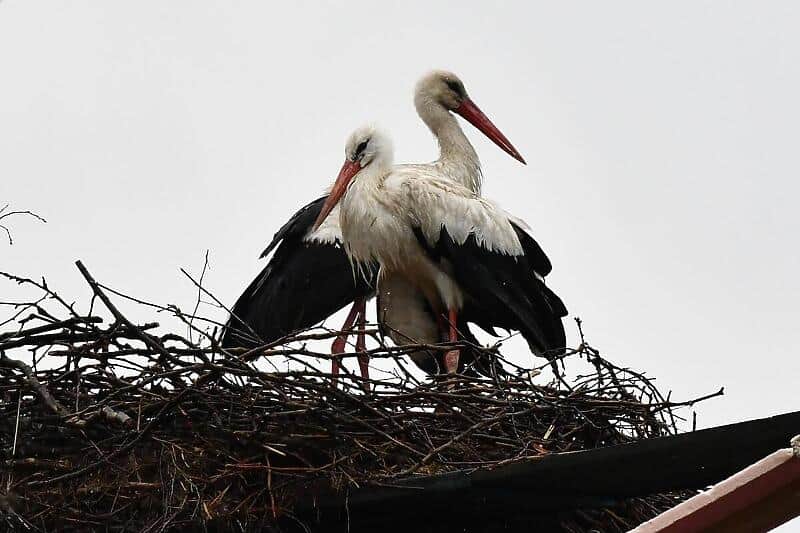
[[451, 361]]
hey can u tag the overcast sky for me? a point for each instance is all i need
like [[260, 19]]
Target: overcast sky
[[662, 148]]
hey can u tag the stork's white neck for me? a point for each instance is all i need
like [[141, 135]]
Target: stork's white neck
[[457, 157], [366, 223]]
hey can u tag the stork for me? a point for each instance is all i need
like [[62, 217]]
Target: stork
[[443, 240], [307, 279]]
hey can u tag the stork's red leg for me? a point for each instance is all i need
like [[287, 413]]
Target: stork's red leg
[[341, 341], [361, 344], [451, 357]]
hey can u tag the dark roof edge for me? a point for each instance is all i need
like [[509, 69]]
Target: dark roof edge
[[687, 461]]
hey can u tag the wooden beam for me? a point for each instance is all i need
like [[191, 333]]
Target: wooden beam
[[759, 498]]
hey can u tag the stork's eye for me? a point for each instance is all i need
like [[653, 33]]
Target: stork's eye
[[361, 147], [456, 86]]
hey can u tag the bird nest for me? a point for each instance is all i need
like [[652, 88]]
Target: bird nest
[[133, 428]]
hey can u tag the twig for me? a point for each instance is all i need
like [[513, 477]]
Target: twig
[[5, 214], [33, 382]]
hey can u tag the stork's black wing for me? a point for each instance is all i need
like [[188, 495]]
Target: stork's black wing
[[504, 291], [301, 285]]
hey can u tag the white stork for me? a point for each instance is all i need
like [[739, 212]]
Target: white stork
[[305, 281], [442, 240]]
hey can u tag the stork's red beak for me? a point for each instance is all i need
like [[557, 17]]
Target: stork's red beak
[[349, 169], [475, 116]]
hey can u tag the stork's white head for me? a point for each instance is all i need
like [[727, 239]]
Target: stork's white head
[[442, 87], [369, 146], [440, 92], [368, 151]]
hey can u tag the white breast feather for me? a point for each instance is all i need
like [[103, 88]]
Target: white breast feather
[[329, 232], [434, 202]]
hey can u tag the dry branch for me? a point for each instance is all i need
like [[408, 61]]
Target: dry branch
[[5, 213]]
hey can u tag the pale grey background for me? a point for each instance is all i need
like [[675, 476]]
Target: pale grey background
[[661, 140]]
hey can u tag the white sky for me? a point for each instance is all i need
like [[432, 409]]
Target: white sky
[[661, 144]]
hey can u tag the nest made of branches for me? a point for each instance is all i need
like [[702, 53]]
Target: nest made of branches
[[135, 429]]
